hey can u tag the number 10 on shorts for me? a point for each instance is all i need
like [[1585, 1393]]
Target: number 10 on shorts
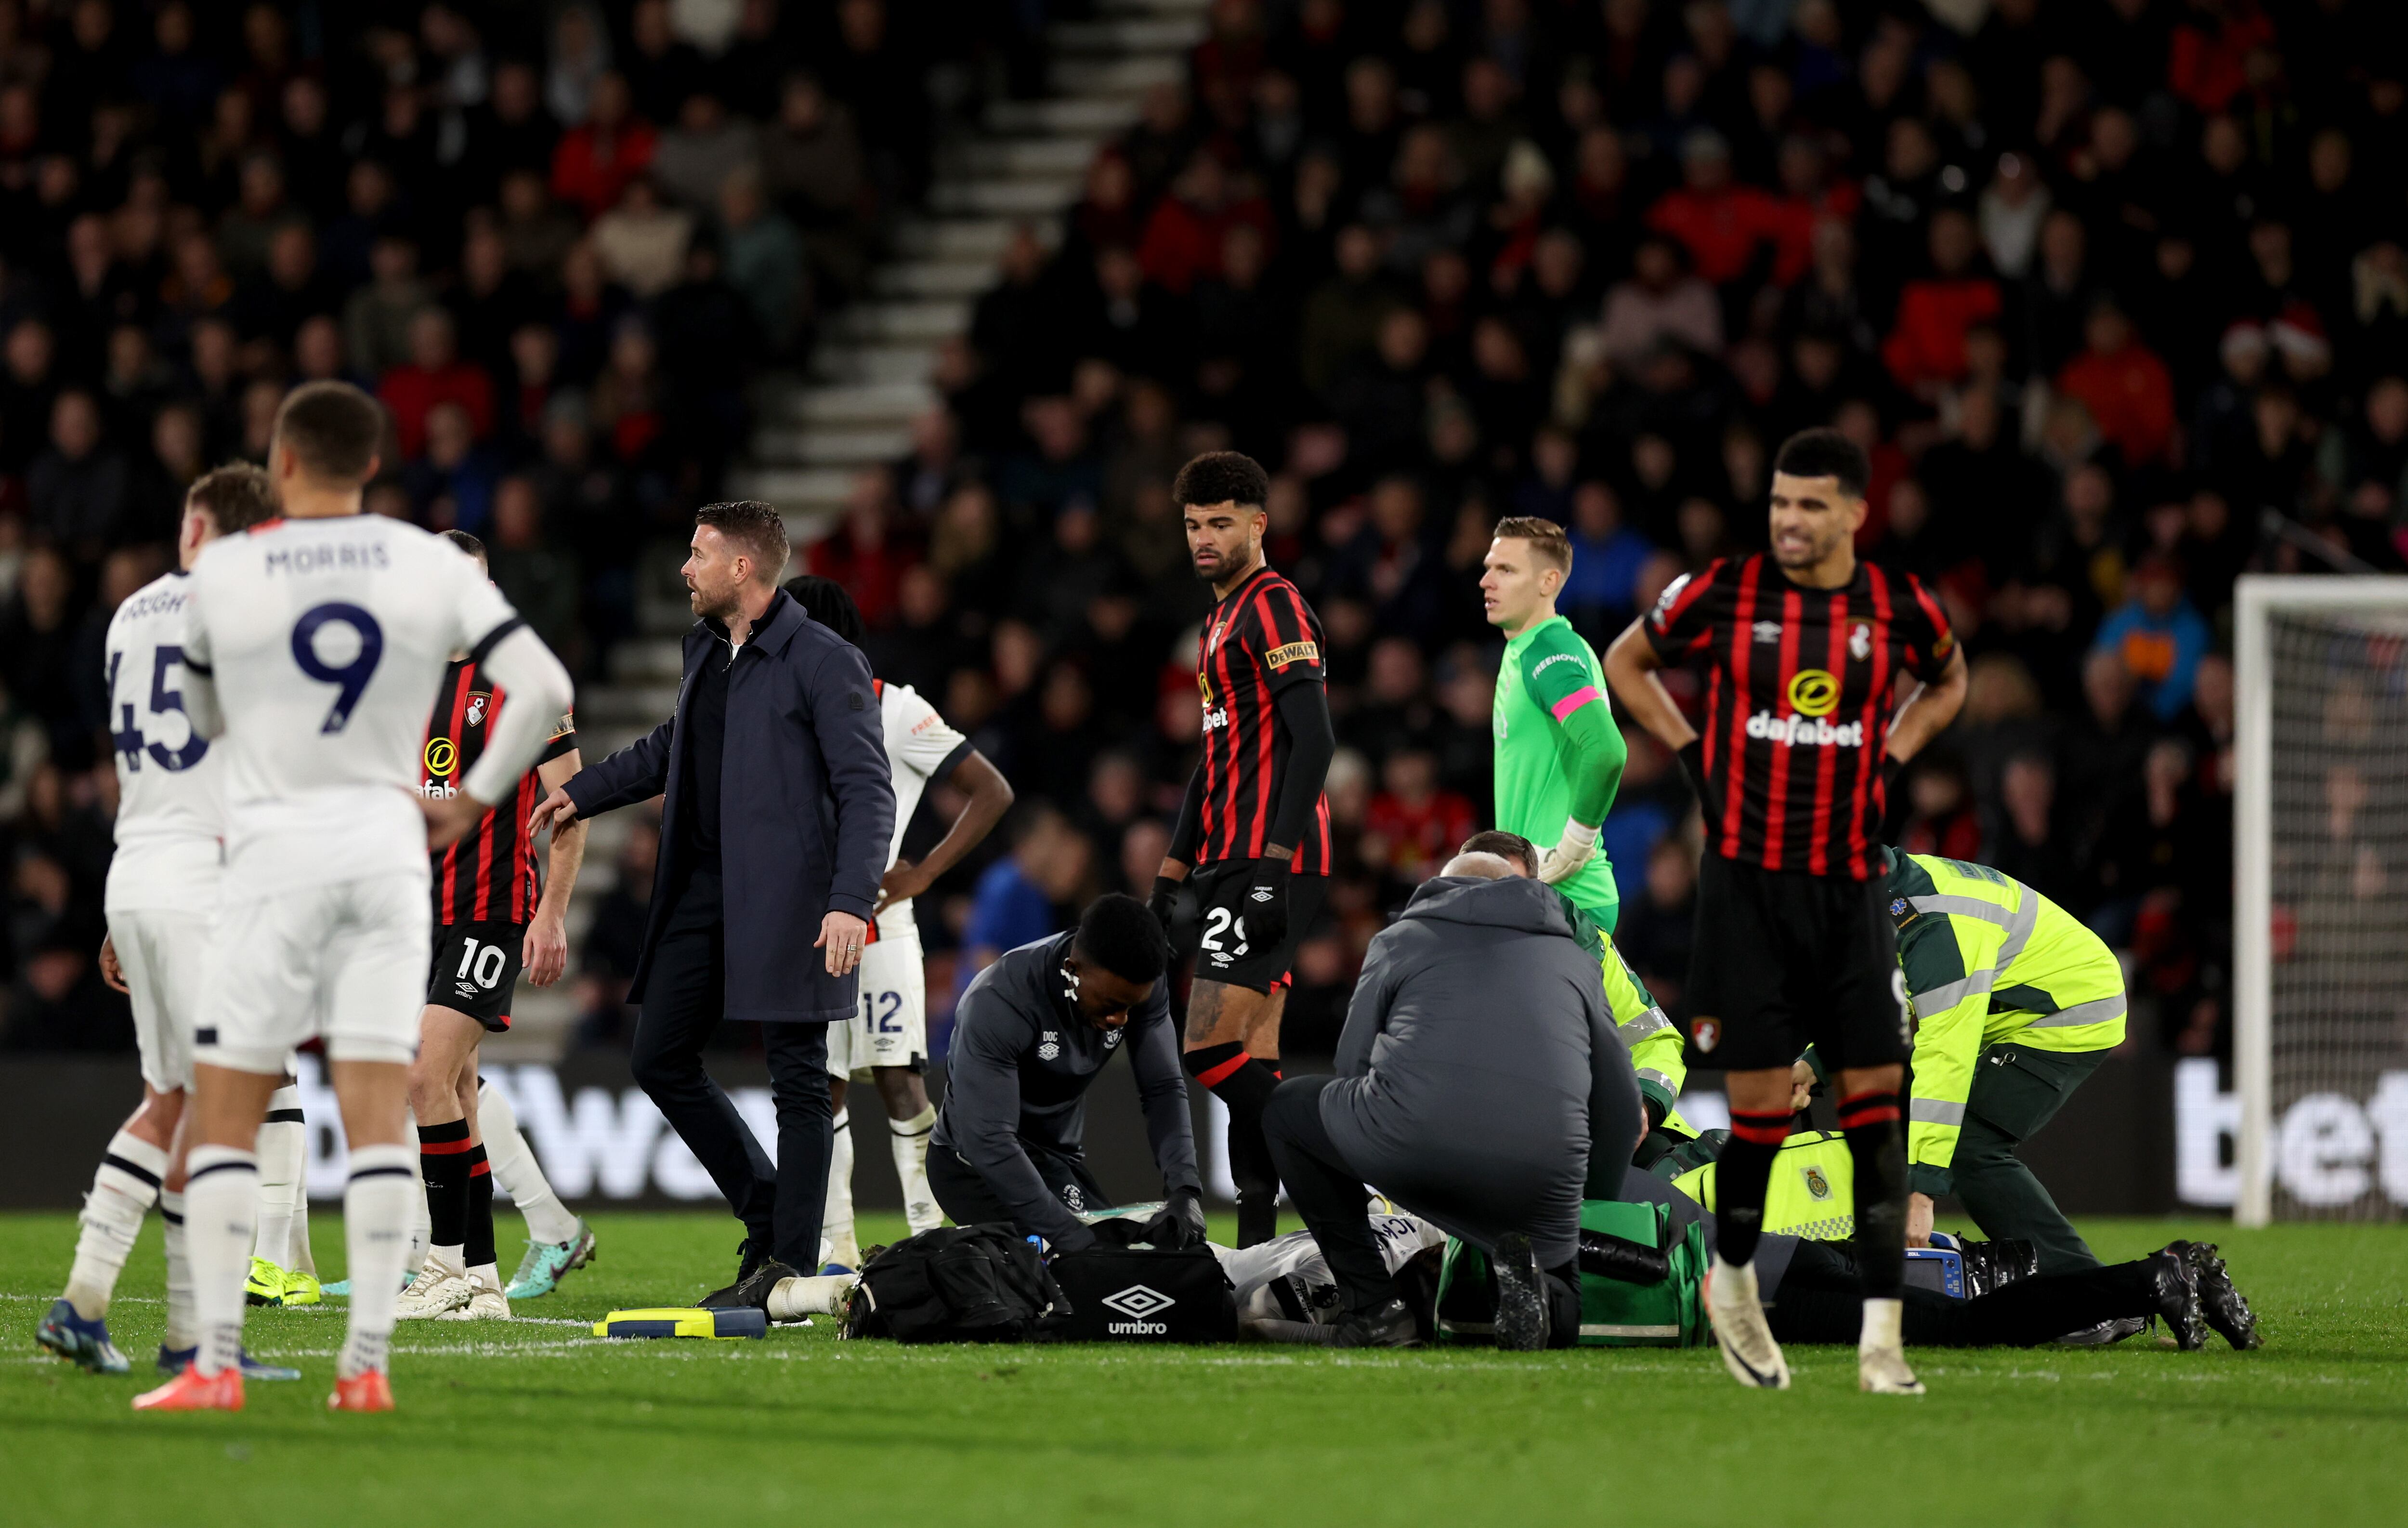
[[481, 963]]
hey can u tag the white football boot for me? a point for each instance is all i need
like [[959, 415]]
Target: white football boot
[[485, 1301], [1745, 1338], [1880, 1352], [436, 1290]]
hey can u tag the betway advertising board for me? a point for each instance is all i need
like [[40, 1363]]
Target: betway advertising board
[[2146, 1135]]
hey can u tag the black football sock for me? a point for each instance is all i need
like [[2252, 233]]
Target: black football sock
[[443, 1162], [1244, 1083], [1740, 1173], [479, 1240], [1877, 1147]]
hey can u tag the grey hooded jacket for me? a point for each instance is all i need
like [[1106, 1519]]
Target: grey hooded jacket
[[1479, 1065]]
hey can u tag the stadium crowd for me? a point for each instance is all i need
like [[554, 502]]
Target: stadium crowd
[[554, 240], [2113, 290]]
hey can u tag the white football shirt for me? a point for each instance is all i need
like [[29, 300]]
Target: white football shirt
[[170, 810], [326, 641], [918, 742]]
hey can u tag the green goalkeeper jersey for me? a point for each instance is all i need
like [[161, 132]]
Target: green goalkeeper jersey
[[1560, 755]]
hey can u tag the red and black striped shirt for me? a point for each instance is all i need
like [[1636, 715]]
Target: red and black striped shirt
[[489, 875], [1259, 640], [1798, 704]]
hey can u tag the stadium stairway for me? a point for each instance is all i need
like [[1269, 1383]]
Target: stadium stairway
[[1021, 164]]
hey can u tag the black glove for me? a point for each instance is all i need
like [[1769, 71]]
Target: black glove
[[1163, 902], [1693, 762], [1178, 1225], [1265, 910]]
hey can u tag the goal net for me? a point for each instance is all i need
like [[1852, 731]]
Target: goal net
[[2320, 926]]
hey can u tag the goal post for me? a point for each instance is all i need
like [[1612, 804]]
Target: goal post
[[2320, 897]]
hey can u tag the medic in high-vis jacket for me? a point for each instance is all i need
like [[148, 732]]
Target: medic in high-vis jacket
[[2016, 1004]]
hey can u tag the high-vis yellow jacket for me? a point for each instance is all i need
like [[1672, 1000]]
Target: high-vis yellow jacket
[[1655, 1044], [1988, 960]]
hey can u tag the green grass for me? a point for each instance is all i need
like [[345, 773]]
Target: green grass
[[538, 1421]]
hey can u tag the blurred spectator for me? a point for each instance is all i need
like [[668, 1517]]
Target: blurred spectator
[[2158, 636]]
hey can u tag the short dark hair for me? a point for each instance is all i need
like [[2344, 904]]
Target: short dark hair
[[466, 542], [1548, 542], [825, 601], [236, 497], [334, 427], [1825, 453], [1221, 476], [1119, 935], [1504, 845], [756, 528]]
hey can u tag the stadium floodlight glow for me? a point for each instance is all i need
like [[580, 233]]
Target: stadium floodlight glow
[[2320, 845]]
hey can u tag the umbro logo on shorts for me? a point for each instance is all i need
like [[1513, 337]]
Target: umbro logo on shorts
[[1261, 894]]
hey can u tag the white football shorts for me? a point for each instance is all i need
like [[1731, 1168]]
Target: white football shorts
[[346, 962], [889, 1025], [164, 955]]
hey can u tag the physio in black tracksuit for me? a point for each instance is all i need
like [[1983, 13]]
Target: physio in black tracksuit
[[1029, 1037]]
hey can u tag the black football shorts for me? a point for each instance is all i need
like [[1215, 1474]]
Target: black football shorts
[[1224, 953], [1783, 961], [476, 970]]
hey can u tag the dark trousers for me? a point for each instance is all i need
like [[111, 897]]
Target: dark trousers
[[1333, 1198], [684, 1000], [1819, 1301], [1328, 1194], [2017, 1089], [963, 1194]]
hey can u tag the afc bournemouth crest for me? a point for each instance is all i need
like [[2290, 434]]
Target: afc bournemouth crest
[[479, 702], [1706, 1032]]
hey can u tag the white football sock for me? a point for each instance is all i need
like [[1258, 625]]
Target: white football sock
[[516, 1172], [179, 1274], [220, 1217], [376, 1231], [911, 1145], [123, 1189], [837, 1242], [793, 1298], [1884, 1326], [303, 1261], [280, 1145]]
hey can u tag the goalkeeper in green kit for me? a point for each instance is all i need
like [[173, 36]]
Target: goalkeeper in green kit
[[1559, 760]]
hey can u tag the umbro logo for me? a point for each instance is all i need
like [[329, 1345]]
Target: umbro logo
[[1137, 1302], [1768, 631], [1262, 894]]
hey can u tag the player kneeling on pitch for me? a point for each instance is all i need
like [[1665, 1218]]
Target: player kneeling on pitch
[[1477, 1072], [1029, 1037]]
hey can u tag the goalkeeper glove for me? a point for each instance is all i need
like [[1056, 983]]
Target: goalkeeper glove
[[1571, 851], [1266, 914]]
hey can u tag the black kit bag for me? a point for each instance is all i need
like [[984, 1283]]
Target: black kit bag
[[958, 1284], [1142, 1294]]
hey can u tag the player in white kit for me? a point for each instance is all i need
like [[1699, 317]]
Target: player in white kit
[[886, 1041], [163, 889], [314, 649]]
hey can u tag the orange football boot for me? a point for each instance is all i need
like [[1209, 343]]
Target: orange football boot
[[193, 1391], [367, 1391]]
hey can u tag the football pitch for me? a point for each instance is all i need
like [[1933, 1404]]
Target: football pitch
[[536, 1421]]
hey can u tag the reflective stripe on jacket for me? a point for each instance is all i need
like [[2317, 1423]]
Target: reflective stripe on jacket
[[1987, 960]]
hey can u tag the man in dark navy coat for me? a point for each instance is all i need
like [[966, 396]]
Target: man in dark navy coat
[[779, 813]]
